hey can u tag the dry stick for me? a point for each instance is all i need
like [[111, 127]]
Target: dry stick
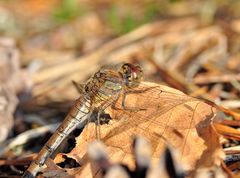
[[94, 58], [192, 46], [170, 78], [118, 56], [179, 82], [232, 150], [226, 169], [142, 32], [227, 131], [234, 123], [122, 55], [25, 136], [206, 79], [233, 104]]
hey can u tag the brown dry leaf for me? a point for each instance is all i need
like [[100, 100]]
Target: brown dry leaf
[[170, 117]]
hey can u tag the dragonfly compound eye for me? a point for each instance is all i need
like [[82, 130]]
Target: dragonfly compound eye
[[132, 74], [126, 69], [137, 73]]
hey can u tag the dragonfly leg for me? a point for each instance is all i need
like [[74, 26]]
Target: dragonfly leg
[[114, 104], [78, 86], [99, 115], [98, 131]]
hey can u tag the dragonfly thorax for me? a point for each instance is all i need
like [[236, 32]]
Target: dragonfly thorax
[[103, 86]]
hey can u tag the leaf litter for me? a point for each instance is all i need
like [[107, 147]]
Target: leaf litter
[[203, 58]]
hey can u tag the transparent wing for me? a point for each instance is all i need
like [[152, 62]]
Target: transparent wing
[[167, 115]]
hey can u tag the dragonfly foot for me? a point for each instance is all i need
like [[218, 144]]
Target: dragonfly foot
[[104, 118], [27, 174]]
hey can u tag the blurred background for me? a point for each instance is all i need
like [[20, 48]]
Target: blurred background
[[45, 45]]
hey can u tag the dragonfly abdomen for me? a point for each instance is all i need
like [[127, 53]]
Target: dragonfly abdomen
[[77, 116]]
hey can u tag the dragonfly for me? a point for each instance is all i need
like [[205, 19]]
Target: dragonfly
[[105, 85], [113, 89]]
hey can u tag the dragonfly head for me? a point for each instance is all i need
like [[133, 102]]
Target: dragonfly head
[[132, 74]]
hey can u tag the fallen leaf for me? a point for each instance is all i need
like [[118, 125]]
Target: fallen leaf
[[169, 116]]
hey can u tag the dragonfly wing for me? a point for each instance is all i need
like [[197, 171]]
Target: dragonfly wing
[[170, 117]]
